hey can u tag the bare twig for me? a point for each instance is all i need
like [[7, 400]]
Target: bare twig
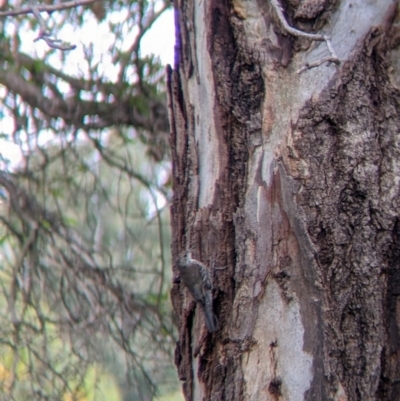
[[44, 34], [331, 50], [53, 43], [48, 8], [134, 48], [312, 36], [317, 63], [293, 31]]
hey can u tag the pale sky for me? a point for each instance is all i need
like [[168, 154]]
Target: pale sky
[[161, 38]]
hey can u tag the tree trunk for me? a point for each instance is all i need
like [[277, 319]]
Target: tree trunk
[[286, 187]]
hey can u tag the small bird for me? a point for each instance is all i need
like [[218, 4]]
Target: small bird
[[196, 278]]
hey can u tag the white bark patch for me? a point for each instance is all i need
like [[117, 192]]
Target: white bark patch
[[202, 96], [198, 387], [279, 323]]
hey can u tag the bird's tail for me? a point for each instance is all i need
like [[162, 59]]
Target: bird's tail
[[211, 320]]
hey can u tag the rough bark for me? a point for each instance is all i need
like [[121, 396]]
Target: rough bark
[[286, 186]]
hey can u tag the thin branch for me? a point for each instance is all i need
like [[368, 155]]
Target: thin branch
[[113, 162], [312, 36], [53, 43], [134, 48], [317, 63], [44, 34], [29, 63], [293, 31], [49, 8]]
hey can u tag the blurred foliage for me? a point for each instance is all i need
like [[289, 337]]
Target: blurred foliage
[[84, 193]]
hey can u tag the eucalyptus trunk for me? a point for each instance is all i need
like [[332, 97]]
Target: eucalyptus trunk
[[286, 166]]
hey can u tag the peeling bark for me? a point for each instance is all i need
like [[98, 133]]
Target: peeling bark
[[286, 187]]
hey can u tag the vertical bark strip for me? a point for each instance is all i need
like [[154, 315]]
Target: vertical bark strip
[[286, 186]]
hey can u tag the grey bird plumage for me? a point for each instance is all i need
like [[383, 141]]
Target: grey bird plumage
[[196, 277]]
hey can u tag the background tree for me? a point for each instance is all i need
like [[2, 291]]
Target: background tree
[[84, 231], [285, 148]]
